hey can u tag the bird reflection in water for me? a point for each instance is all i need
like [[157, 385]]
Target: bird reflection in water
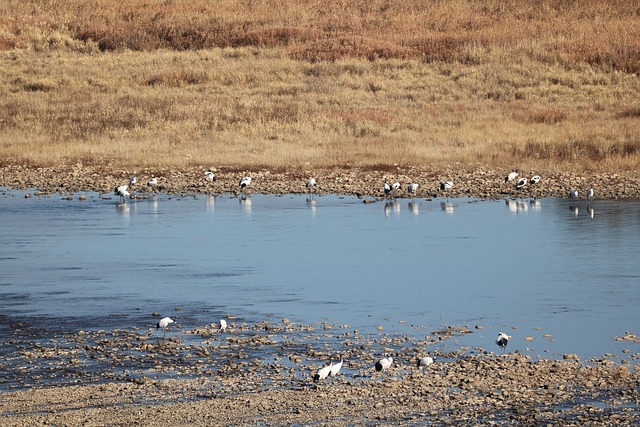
[[245, 202], [210, 203], [446, 207], [414, 208], [391, 206]]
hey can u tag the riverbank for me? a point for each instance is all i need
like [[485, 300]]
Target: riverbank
[[472, 390], [261, 374], [479, 182]]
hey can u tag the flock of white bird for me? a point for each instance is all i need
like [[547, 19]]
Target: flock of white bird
[[332, 369]]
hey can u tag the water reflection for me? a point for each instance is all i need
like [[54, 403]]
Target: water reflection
[[447, 207], [210, 203], [391, 206], [245, 203], [311, 203], [575, 210], [592, 211], [414, 208], [517, 206]]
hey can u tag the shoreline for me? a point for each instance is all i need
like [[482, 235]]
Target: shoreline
[[483, 183], [471, 390]]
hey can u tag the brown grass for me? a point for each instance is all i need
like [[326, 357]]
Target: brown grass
[[177, 83]]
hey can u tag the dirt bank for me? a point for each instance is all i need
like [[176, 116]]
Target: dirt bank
[[479, 182]]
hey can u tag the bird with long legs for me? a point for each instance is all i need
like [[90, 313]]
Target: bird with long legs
[[122, 192], [164, 324], [502, 340], [311, 183]]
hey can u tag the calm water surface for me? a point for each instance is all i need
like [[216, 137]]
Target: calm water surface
[[530, 269]]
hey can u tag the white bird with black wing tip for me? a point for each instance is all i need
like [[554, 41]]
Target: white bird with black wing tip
[[503, 340], [522, 182], [122, 192], [209, 176], [573, 194], [384, 363], [322, 373], [535, 179], [413, 187], [164, 324], [447, 185], [590, 193], [311, 182], [132, 181], [426, 361], [395, 186], [245, 182], [387, 188]]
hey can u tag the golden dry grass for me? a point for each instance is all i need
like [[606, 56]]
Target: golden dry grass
[[176, 83]]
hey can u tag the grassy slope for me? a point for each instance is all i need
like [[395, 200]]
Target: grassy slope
[[178, 84]]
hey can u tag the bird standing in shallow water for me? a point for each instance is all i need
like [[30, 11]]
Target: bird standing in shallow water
[[573, 194], [503, 340], [164, 324], [132, 181], [122, 192], [223, 325], [447, 185]]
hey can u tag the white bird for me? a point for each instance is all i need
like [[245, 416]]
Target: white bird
[[387, 187], [426, 361], [132, 181], [535, 179], [573, 194], [513, 175], [244, 182], [503, 340], [447, 185], [395, 186], [223, 325], [521, 183], [122, 192], [164, 324], [413, 187], [590, 193], [209, 176], [311, 182], [322, 373], [153, 182], [384, 363], [335, 368]]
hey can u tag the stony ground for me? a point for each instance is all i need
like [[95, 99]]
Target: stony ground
[[261, 374], [479, 182]]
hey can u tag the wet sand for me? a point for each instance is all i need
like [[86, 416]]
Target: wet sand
[[261, 374], [480, 182]]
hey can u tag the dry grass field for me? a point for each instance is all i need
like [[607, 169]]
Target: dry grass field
[[544, 84]]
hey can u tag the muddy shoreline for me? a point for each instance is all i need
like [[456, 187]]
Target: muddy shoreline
[[218, 379], [479, 182]]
